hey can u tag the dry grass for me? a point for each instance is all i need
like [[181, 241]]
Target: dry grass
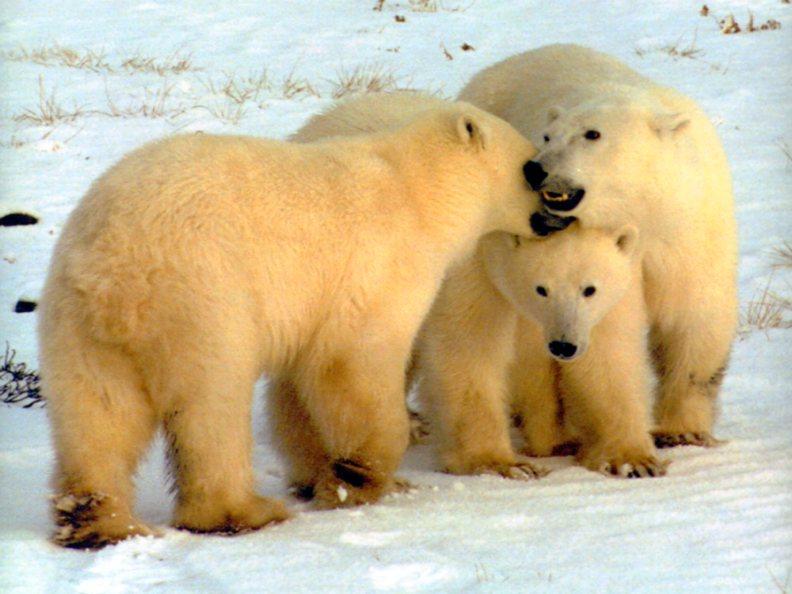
[[48, 112], [729, 25], [769, 310], [173, 64], [240, 90], [296, 86], [153, 103], [58, 55], [230, 113], [676, 50], [96, 61], [782, 255], [364, 79]]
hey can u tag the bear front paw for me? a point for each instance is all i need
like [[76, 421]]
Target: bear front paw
[[626, 466], [663, 439], [212, 518], [520, 469], [349, 483]]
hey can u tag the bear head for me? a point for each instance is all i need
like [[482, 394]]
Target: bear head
[[566, 283], [602, 156], [481, 156]]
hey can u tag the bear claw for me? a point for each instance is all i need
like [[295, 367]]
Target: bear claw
[[671, 440], [520, 470]]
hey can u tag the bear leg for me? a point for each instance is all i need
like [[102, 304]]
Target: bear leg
[[296, 438], [691, 364], [465, 362], [607, 394], [102, 423], [207, 427], [356, 403], [537, 398]]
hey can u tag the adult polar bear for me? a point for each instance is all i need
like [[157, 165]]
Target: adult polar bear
[[616, 148], [198, 262]]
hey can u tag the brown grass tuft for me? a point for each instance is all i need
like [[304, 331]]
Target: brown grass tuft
[[58, 55], [48, 112], [295, 86], [767, 311], [154, 103], [364, 79], [173, 64], [782, 255], [240, 89]]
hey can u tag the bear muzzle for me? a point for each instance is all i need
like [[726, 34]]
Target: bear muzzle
[[561, 201], [563, 351]]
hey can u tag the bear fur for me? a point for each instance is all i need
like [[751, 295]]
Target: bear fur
[[199, 262], [615, 149], [489, 349]]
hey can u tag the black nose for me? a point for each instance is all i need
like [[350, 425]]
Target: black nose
[[562, 350], [534, 174]]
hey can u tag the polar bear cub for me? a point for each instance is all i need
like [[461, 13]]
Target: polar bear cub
[[199, 262], [560, 330]]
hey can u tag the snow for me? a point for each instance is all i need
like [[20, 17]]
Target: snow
[[721, 521]]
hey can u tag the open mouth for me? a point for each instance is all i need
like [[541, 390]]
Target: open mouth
[[561, 202], [544, 223]]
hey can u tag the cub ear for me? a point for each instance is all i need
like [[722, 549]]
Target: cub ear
[[554, 113], [471, 131], [627, 240], [669, 124]]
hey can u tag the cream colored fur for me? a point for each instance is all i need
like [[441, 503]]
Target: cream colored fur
[[658, 165], [199, 262], [484, 354]]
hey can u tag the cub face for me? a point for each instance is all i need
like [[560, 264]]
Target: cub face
[[566, 283], [590, 156]]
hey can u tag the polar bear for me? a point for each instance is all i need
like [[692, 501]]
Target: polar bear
[[616, 148], [198, 262], [554, 331]]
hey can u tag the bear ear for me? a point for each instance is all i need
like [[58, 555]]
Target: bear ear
[[627, 239], [471, 131], [669, 124], [554, 113]]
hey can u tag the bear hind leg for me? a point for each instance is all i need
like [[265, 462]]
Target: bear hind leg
[[102, 423], [296, 438], [360, 414]]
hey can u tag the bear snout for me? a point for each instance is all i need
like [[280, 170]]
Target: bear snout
[[544, 223], [563, 199], [534, 174], [562, 350]]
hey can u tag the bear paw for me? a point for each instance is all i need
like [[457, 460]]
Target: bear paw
[[520, 469], [251, 515], [629, 467], [91, 522], [703, 439], [349, 483]]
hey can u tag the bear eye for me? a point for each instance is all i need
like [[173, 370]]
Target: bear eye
[[591, 135], [589, 291], [546, 138], [541, 290]]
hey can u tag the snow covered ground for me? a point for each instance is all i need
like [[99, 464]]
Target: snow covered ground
[[721, 521]]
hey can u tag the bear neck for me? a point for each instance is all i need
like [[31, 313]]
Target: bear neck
[[447, 193]]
